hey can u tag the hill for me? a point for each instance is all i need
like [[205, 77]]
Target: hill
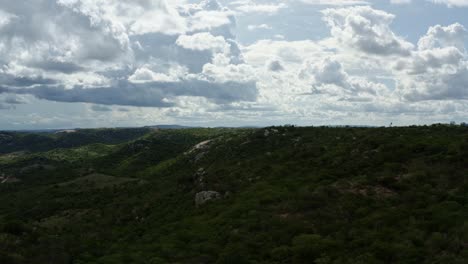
[[223, 195], [44, 141]]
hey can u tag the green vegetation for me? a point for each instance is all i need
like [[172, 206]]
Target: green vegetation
[[36, 142], [275, 195]]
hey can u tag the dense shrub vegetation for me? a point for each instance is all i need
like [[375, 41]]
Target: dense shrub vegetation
[[286, 195]]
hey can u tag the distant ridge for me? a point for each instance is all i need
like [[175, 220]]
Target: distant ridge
[[170, 127]]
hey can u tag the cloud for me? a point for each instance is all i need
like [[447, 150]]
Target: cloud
[[451, 3], [180, 61], [13, 100], [246, 7], [5, 18], [100, 108], [138, 16], [67, 40], [439, 36], [203, 41], [367, 30], [9, 101], [275, 66], [4, 106], [135, 53], [256, 27], [290, 52], [425, 60], [145, 74], [400, 2], [334, 2], [148, 94], [438, 69], [328, 74], [441, 86]]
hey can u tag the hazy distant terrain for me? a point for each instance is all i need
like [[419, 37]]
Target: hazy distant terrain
[[235, 195]]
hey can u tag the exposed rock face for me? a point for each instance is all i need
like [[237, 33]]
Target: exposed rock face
[[199, 177], [205, 196], [201, 149], [200, 146], [271, 131], [199, 156], [8, 179]]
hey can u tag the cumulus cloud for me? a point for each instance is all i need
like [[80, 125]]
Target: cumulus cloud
[[452, 3], [139, 16], [440, 86], [203, 41], [425, 60], [248, 6], [5, 18], [275, 66], [256, 27], [437, 70], [400, 2], [334, 2], [146, 74], [367, 30], [328, 74], [182, 61], [138, 52], [439, 36]]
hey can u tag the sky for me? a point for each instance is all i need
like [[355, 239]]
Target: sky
[[106, 63]]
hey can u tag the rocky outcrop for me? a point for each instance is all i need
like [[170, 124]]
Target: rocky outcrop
[[270, 131], [8, 179], [203, 197], [200, 150], [200, 146], [199, 178]]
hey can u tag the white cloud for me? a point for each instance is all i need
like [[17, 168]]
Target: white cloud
[[424, 60], [441, 86], [222, 71], [145, 74], [451, 3], [249, 6], [139, 52], [209, 19], [328, 74], [440, 36], [367, 30], [183, 62], [400, 2], [257, 27], [335, 2], [203, 41], [5, 18], [438, 69]]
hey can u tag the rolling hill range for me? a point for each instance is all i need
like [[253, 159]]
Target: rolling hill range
[[235, 195]]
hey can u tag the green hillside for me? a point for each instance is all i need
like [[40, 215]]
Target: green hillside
[[272, 195], [36, 142]]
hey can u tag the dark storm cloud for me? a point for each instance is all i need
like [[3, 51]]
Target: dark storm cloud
[[124, 95], [154, 94], [57, 66], [100, 108], [13, 101], [5, 107], [8, 80]]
